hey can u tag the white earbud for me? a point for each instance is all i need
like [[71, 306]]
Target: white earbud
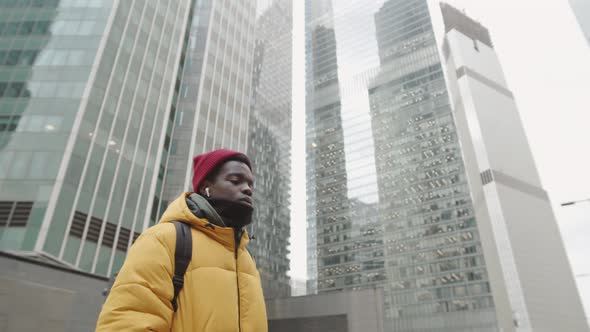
[[207, 192]]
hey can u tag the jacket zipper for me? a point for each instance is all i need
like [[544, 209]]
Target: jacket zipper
[[237, 235]]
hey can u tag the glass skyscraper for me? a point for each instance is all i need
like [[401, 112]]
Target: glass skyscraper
[[103, 104], [213, 90], [391, 203], [432, 244], [85, 87], [269, 144], [233, 90]]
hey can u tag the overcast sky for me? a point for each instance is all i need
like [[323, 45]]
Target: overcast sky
[[546, 61]]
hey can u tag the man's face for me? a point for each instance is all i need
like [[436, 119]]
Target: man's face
[[234, 183]]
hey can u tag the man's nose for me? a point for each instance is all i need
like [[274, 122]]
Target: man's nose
[[247, 189]]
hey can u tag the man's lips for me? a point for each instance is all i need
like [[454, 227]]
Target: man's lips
[[246, 200]]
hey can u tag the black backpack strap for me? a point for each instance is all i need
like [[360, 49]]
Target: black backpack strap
[[182, 257]]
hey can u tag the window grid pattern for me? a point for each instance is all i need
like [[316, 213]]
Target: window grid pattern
[[120, 55], [269, 140], [388, 200], [94, 232], [46, 52], [213, 104], [15, 214]]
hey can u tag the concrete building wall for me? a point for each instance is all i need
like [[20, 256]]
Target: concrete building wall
[[37, 295], [41, 297], [346, 311]]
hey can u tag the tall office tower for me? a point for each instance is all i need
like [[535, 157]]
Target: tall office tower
[[212, 105], [84, 88], [104, 103], [530, 277], [402, 156], [581, 9], [269, 142], [327, 200], [234, 91], [435, 269]]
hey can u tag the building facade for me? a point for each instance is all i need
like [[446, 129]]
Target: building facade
[[520, 237], [433, 255], [213, 90], [105, 102], [350, 311], [269, 142], [391, 200], [233, 91], [85, 86], [45, 295], [327, 199]]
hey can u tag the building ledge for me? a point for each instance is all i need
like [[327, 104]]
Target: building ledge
[[42, 259]]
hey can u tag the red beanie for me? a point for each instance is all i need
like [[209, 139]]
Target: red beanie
[[203, 164]]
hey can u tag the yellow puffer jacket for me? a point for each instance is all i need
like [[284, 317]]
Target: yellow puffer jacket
[[220, 293]]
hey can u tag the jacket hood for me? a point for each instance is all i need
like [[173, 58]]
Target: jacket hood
[[210, 224]]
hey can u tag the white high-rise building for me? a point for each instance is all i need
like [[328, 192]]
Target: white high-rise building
[[531, 280]]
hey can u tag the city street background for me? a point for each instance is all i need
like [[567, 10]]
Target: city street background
[[420, 165]]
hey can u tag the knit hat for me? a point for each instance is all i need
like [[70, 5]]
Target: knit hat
[[203, 164]]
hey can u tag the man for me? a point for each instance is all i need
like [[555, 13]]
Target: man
[[222, 289]]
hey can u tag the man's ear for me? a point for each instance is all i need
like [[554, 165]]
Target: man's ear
[[204, 184]]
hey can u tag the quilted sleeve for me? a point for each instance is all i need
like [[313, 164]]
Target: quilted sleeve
[[140, 297]]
